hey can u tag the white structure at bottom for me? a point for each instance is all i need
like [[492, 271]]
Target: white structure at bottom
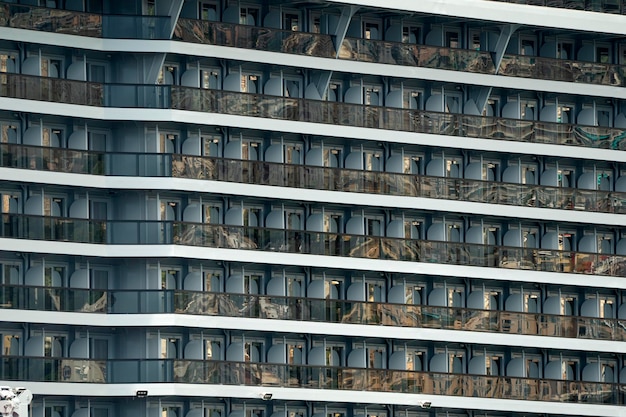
[[14, 402]]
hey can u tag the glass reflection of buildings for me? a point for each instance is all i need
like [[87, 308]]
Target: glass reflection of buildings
[[314, 209]]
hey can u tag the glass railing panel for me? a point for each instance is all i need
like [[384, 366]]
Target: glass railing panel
[[436, 123], [50, 20], [276, 40], [480, 320], [401, 315], [54, 369], [396, 53], [137, 96], [477, 126], [187, 166], [253, 37], [589, 200], [364, 50], [596, 328], [398, 184], [597, 73], [598, 137], [431, 187], [53, 228], [356, 313], [547, 132], [516, 194], [56, 90], [136, 27], [572, 4], [562, 70], [440, 317], [514, 130], [51, 159], [75, 370], [520, 66], [550, 198], [197, 31], [143, 164], [559, 326], [516, 323], [455, 59], [124, 164], [477, 191], [154, 165]]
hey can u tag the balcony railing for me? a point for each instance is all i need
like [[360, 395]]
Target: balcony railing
[[308, 177], [78, 300], [396, 53], [130, 232], [50, 20], [186, 371], [84, 24], [601, 6], [306, 110], [254, 37], [57, 90], [378, 117], [319, 45], [563, 70]]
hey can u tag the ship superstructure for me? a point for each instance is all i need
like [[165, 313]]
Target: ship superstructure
[[293, 208]]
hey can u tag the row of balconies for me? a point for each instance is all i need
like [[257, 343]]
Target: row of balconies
[[131, 232], [78, 300], [184, 371], [313, 44], [307, 110], [397, 53], [309, 177]]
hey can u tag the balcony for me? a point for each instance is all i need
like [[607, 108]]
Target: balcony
[[308, 177], [305, 110], [254, 37], [396, 53], [50, 20], [18, 226], [184, 371], [321, 45], [84, 24], [76, 300]]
